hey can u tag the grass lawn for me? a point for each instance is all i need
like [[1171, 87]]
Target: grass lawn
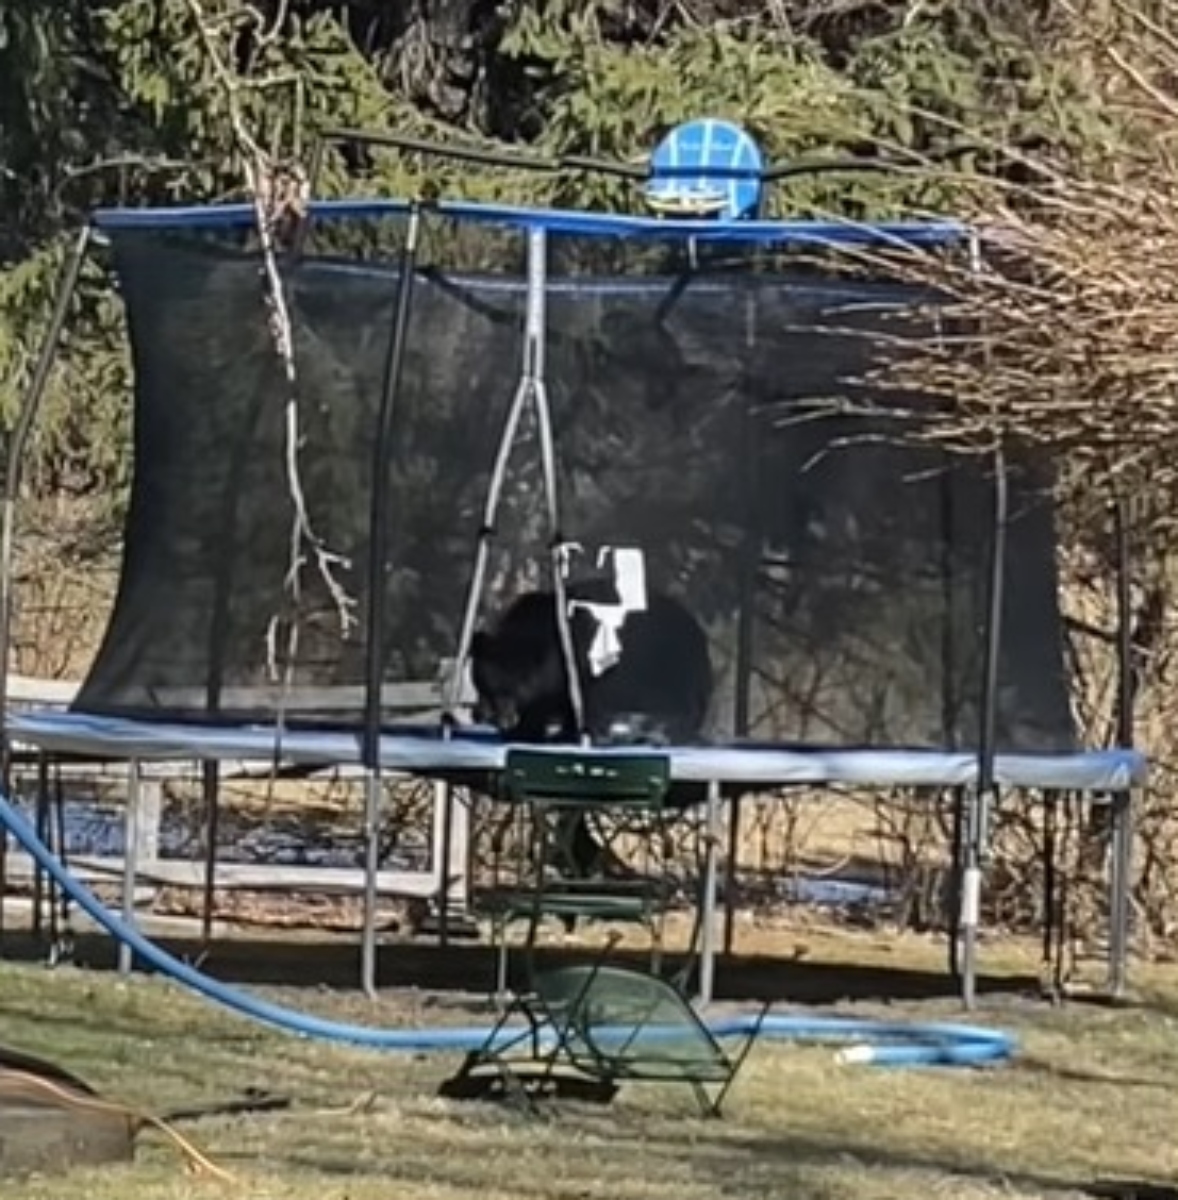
[[1093, 1093]]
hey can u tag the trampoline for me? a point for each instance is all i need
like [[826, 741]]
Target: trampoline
[[495, 399]]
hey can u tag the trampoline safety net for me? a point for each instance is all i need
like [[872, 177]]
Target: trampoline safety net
[[840, 573]]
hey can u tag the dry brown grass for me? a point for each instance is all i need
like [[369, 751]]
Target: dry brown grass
[[1091, 1094]]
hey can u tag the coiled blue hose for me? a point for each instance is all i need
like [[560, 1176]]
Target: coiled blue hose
[[875, 1042]]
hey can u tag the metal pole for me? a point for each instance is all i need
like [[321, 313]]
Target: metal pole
[[953, 900], [130, 859], [535, 329], [531, 386], [707, 938], [751, 547], [211, 798], [41, 824], [30, 408], [1126, 687], [486, 533], [1120, 887], [1121, 804], [982, 795], [374, 650]]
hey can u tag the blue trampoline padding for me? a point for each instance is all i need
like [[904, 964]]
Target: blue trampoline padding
[[708, 157], [423, 750], [878, 1043], [561, 221]]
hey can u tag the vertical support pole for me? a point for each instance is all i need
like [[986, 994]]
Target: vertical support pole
[[1052, 910], [1126, 682], [957, 868], [1121, 804], [373, 789], [62, 946], [130, 858], [750, 562], [30, 408], [707, 939], [374, 648], [18, 443], [41, 824], [535, 330], [1120, 892], [731, 865], [982, 795], [211, 799]]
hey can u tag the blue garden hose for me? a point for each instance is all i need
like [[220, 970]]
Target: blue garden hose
[[874, 1042]]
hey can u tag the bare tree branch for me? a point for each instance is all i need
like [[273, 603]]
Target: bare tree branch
[[275, 194]]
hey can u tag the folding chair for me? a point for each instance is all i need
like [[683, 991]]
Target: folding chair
[[589, 1029]]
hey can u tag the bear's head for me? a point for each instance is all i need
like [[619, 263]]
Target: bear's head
[[520, 682]]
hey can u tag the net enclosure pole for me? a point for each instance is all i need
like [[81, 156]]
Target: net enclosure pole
[[374, 640], [67, 286], [751, 548], [26, 420], [708, 906], [981, 797]]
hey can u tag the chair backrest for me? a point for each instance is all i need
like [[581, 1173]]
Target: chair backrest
[[582, 778], [612, 1009]]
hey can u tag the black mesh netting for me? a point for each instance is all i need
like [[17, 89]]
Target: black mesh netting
[[684, 423]]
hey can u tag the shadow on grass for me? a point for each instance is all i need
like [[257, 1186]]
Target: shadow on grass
[[563, 1183], [816, 1153], [1035, 1066], [737, 1166], [471, 969], [106, 1025]]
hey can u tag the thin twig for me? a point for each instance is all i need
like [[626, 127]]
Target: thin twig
[[272, 198]]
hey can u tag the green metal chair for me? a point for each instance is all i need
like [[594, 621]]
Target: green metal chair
[[587, 1030]]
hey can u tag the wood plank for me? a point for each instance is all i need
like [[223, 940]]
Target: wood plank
[[26, 689], [174, 770], [260, 877]]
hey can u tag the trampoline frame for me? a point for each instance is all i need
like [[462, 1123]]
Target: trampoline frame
[[977, 797]]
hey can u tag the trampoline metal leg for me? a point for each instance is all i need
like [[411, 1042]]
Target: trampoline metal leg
[[734, 814], [977, 823], [1120, 892], [443, 826], [130, 859], [211, 798], [955, 896], [371, 862], [707, 941]]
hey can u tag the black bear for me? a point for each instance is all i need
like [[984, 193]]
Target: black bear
[[658, 690]]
